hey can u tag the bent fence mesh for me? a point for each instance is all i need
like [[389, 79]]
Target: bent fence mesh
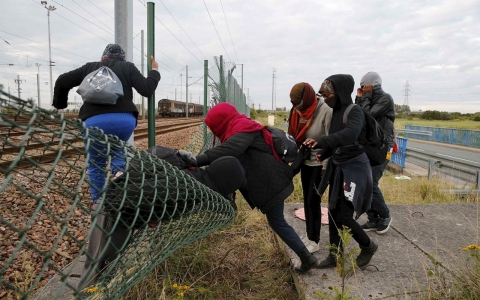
[[147, 213]]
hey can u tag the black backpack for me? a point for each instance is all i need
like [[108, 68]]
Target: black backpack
[[285, 144], [376, 146]]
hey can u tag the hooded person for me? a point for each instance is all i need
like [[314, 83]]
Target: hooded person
[[119, 119], [374, 101], [269, 180], [309, 118], [348, 172]]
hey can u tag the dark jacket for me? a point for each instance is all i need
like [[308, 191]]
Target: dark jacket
[[341, 141], [269, 181], [128, 74], [380, 105]]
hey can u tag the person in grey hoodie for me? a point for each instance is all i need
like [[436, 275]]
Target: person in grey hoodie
[[373, 100], [309, 117]]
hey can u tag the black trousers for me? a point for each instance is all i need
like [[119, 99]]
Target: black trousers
[[342, 215], [311, 177]]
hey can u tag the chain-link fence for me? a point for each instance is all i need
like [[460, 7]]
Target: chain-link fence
[[144, 213], [225, 87]]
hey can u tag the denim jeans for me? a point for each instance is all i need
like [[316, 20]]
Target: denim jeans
[[379, 209], [277, 222], [119, 124]]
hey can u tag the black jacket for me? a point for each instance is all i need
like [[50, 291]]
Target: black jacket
[[380, 105], [269, 181], [341, 139], [128, 74]]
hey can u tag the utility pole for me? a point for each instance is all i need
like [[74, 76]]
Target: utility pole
[[406, 94], [186, 91], [50, 62], [143, 62], [273, 90], [181, 87], [123, 12], [18, 81], [38, 83]]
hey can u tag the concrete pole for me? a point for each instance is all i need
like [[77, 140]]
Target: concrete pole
[[18, 85], [38, 84], [124, 32], [143, 73], [124, 27], [186, 91], [50, 54]]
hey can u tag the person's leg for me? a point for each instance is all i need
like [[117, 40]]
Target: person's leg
[[119, 124], [378, 215], [104, 244], [277, 222], [311, 204], [345, 218]]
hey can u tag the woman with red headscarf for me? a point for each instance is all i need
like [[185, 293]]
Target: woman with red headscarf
[[269, 180], [309, 117]]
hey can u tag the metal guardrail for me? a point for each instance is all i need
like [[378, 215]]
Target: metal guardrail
[[419, 132], [452, 167]]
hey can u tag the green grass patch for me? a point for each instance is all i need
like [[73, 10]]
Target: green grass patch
[[459, 124]]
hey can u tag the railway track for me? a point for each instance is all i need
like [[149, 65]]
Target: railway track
[[50, 156]]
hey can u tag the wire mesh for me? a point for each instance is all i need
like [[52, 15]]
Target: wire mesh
[[143, 214]]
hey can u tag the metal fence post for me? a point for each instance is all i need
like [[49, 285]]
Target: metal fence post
[[478, 179], [151, 52], [205, 99]]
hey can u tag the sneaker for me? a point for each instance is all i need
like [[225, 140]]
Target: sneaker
[[370, 226], [311, 245], [384, 225]]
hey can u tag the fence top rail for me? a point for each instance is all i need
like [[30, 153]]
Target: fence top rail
[[432, 127], [421, 132]]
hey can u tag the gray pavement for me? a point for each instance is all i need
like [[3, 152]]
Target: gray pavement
[[399, 268]]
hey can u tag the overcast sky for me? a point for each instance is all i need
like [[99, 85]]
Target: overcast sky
[[434, 45]]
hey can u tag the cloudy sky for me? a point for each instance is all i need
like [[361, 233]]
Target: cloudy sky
[[433, 45]]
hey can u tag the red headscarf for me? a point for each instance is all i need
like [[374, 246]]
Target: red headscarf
[[224, 121], [301, 116]]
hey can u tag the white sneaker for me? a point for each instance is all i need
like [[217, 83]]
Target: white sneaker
[[311, 246]]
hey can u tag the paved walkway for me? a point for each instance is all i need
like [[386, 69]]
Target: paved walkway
[[399, 268]]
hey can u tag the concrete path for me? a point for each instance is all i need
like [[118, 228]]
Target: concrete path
[[399, 268]]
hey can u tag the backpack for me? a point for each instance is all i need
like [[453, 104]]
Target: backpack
[[285, 144], [376, 146], [102, 86]]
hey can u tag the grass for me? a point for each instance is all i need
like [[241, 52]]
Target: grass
[[459, 124]]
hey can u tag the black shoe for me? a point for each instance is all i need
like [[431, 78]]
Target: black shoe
[[370, 226], [366, 254], [328, 263], [384, 225], [308, 260]]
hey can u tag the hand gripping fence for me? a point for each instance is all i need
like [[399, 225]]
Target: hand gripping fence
[[146, 213]]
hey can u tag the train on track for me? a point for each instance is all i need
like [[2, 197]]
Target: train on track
[[174, 108]]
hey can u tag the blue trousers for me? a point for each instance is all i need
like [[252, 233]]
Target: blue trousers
[[119, 124], [277, 222], [379, 209]]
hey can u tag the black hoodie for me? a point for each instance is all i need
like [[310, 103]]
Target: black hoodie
[[341, 139]]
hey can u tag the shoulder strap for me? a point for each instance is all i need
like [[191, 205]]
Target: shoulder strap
[[347, 111]]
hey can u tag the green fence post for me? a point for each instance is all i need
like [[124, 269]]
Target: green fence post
[[205, 100], [151, 52]]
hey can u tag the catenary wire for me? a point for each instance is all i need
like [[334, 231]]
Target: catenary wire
[[216, 30]]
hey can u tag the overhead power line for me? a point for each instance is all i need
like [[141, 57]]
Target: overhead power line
[[216, 30], [174, 36], [101, 9], [182, 29], [229, 30], [43, 44], [102, 28]]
